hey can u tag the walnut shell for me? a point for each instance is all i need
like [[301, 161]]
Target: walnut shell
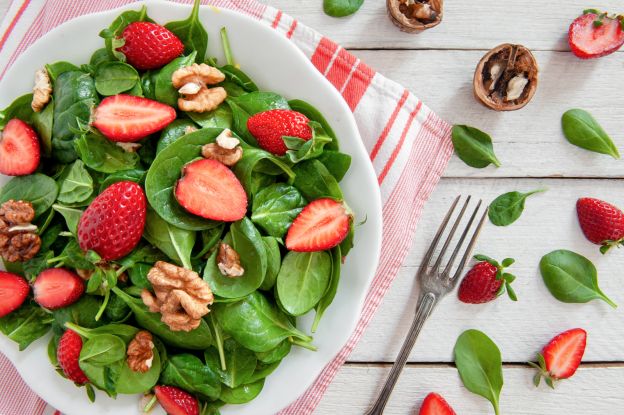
[[506, 78], [399, 12]]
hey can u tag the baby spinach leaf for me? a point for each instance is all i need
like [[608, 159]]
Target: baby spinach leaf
[[163, 88], [254, 161], [112, 34], [479, 363], [241, 394], [103, 377], [36, 265], [238, 77], [341, 8], [332, 288], [275, 207], [123, 331], [20, 108], [508, 207], [74, 99], [103, 349], [315, 115], [474, 147], [117, 310], [262, 371], [131, 382], [148, 84], [176, 243], [101, 154], [138, 275], [38, 189], [276, 354], [42, 122], [26, 324], [209, 239], [192, 33], [274, 262], [56, 69], [302, 280], [75, 184], [582, 130], [133, 175], [189, 373], [337, 163], [164, 174], [112, 78], [99, 56], [71, 215], [255, 323], [81, 313], [177, 129], [299, 149], [571, 278], [73, 256], [240, 364], [219, 118], [314, 181]]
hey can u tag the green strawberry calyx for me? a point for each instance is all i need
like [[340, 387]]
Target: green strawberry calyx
[[501, 274]]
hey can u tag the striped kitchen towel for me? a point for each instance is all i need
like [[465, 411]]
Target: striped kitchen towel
[[409, 147]]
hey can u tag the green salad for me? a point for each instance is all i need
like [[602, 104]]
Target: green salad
[[167, 221]]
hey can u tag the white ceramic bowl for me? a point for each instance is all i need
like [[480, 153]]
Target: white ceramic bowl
[[276, 65]]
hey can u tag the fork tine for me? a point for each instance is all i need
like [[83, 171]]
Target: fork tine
[[451, 261], [449, 238], [438, 235], [470, 246]]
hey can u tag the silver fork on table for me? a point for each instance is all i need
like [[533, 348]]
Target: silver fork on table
[[435, 283]]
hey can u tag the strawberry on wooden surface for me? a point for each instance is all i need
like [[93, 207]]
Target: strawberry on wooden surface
[[486, 281], [321, 225], [595, 34], [561, 357], [601, 222], [68, 353], [435, 404], [113, 223], [269, 127], [175, 401], [126, 118], [13, 292], [149, 45], [57, 288], [20, 151]]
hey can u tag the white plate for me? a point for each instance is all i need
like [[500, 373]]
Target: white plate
[[276, 65]]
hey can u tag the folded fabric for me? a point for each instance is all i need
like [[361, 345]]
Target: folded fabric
[[409, 147]]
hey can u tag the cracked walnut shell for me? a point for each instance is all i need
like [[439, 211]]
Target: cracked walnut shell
[[141, 352], [192, 84], [18, 238], [42, 91], [506, 78], [415, 16]]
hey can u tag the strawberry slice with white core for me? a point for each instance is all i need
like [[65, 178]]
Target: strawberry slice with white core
[[564, 353], [175, 401], [19, 149], [210, 190], [126, 118], [435, 404], [321, 225], [57, 288], [13, 292], [588, 41]]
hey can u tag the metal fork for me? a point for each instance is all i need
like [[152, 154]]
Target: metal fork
[[435, 283]]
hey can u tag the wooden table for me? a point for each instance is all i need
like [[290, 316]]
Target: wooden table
[[438, 66]]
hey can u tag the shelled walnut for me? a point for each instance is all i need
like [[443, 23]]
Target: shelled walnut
[[42, 91], [506, 78], [141, 352], [415, 16], [228, 262], [192, 84], [227, 149], [18, 238]]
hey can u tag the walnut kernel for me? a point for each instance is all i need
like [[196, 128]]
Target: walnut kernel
[[227, 149], [192, 84], [141, 352], [228, 262], [18, 238], [42, 91]]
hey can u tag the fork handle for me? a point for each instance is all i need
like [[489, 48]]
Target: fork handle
[[423, 310]]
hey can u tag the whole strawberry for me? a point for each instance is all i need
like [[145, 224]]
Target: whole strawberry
[[269, 127], [596, 34], [560, 357], [113, 223], [68, 353], [486, 281], [601, 222], [149, 45]]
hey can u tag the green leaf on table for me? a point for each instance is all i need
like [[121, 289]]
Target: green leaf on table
[[341, 8], [508, 207], [192, 33], [582, 130], [474, 147]]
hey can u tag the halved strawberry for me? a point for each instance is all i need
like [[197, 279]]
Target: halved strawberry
[[269, 127], [149, 45], [560, 357], [126, 118], [595, 34], [175, 401], [19, 149], [13, 292], [209, 189], [57, 288], [68, 353], [321, 225], [435, 404]]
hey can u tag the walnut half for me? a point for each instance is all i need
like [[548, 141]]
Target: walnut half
[[18, 238], [42, 91], [141, 352], [227, 149], [192, 84], [415, 16], [228, 262]]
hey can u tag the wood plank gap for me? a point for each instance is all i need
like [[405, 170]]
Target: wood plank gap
[[586, 365]]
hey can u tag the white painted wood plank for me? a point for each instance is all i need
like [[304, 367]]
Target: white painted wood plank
[[479, 24], [520, 329], [529, 142], [590, 391]]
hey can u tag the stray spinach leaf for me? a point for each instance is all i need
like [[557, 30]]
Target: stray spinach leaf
[[508, 207], [582, 130], [474, 147], [341, 8]]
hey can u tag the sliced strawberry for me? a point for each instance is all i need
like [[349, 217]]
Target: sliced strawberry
[[435, 404], [561, 356], [594, 35], [57, 288], [13, 292], [113, 223], [269, 127], [321, 225], [19, 149], [126, 118], [149, 45], [175, 401], [68, 353], [210, 190]]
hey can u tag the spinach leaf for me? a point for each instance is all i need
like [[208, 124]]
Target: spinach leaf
[[337, 163], [177, 129], [241, 394], [332, 288], [71, 215], [508, 207], [26, 324], [473, 147], [209, 239], [42, 122], [73, 257], [314, 181], [163, 88], [133, 175], [300, 149], [255, 323], [103, 377], [38, 189], [176, 243], [582, 130], [81, 313], [131, 382], [112, 78], [123, 331], [74, 99], [238, 77], [274, 262], [198, 339], [112, 34], [571, 278], [143, 253], [56, 69], [20, 108], [302, 280], [246, 239], [189, 373], [101, 154], [99, 56], [275, 207], [219, 118], [75, 184], [103, 349], [164, 174], [138, 275], [276, 354], [262, 371], [240, 363], [341, 8], [117, 310], [192, 33], [244, 106], [480, 366], [256, 161], [314, 114], [148, 84]]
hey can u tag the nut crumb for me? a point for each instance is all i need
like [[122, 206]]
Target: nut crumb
[[129, 147], [192, 83], [228, 262], [42, 91], [141, 352]]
